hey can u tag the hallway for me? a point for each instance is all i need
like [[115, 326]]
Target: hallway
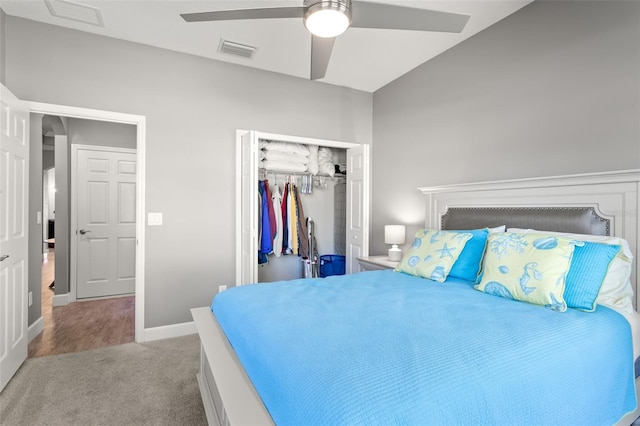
[[82, 325]]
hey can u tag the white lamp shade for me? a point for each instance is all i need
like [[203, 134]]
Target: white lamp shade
[[394, 234]]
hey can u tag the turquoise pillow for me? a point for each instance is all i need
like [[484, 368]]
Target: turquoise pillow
[[589, 266], [469, 262]]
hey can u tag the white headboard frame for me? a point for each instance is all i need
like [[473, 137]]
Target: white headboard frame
[[613, 195]]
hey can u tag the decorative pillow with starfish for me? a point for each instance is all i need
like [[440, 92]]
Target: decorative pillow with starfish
[[433, 253]]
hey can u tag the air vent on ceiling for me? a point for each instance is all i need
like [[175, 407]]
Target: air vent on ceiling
[[237, 49], [75, 11]]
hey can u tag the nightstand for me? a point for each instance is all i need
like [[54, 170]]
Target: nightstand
[[375, 263]]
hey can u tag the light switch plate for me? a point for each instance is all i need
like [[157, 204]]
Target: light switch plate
[[155, 219], [38, 218]]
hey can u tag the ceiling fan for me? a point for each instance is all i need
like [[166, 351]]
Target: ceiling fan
[[327, 19]]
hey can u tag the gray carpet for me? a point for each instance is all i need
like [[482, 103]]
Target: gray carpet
[[134, 384]]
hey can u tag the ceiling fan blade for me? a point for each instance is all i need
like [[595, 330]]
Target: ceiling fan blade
[[229, 15], [321, 48], [386, 16]]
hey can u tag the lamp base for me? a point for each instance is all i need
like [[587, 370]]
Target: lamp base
[[395, 254]]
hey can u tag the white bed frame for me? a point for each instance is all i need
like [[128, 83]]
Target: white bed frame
[[227, 393]]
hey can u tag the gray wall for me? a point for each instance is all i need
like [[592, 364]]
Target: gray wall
[[193, 108], [48, 160], [63, 215], [101, 133], [552, 89], [35, 205]]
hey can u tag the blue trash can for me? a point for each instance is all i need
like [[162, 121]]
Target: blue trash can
[[331, 264]]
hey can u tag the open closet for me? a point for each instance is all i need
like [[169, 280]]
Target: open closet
[[332, 193]]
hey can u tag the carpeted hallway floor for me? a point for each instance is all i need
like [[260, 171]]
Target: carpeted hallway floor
[[151, 383]]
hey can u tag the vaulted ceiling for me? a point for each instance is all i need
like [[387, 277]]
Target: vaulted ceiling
[[364, 59]]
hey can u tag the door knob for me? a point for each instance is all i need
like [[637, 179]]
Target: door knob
[[82, 232], [3, 257]]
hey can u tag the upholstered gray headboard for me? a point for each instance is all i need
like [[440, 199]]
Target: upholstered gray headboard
[[578, 220]]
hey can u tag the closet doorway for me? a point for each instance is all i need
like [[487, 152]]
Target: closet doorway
[[357, 162]]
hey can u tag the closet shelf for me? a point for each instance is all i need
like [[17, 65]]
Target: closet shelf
[[263, 172]]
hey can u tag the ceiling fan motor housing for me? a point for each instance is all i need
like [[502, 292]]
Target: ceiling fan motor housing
[[342, 7]]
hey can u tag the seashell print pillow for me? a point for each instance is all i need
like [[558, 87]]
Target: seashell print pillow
[[616, 290], [527, 267], [433, 253]]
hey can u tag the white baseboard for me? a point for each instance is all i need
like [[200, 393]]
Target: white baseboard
[[169, 331], [61, 299], [35, 328]]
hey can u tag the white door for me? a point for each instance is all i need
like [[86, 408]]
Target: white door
[[105, 225], [14, 188], [357, 207], [247, 206]]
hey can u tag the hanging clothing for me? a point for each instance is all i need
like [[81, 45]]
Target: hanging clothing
[[262, 258], [276, 201], [272, 216], [293, 221], [285, 219], [259, 216], [303, 236], [282, 226], [266, 242]]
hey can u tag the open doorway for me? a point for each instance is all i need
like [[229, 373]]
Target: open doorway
[[71, 322]]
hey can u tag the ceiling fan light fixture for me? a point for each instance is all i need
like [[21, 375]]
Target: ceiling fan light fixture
[[328, 18]]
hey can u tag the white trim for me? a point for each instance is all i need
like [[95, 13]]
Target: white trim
[[60, 299], [140, 122], [238, 210], [169, 331], [35, 329], [302, 140], [539, 182], [73, 240]]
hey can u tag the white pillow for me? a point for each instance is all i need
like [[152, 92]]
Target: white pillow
[[501, 228], [293, 148], [313, 167], [616, 290], [325, 161], [285, 157]]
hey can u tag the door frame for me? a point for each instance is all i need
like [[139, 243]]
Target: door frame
[[73, 246], [257, 136], [140, 122]]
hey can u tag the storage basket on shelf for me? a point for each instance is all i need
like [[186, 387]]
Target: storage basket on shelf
[[331, 264]]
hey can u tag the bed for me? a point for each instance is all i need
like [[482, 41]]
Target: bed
[[416, 356]]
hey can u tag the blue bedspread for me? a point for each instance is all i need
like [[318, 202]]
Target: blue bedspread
[[383, 347]]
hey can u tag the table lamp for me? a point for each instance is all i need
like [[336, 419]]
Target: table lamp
[[394, 234]]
